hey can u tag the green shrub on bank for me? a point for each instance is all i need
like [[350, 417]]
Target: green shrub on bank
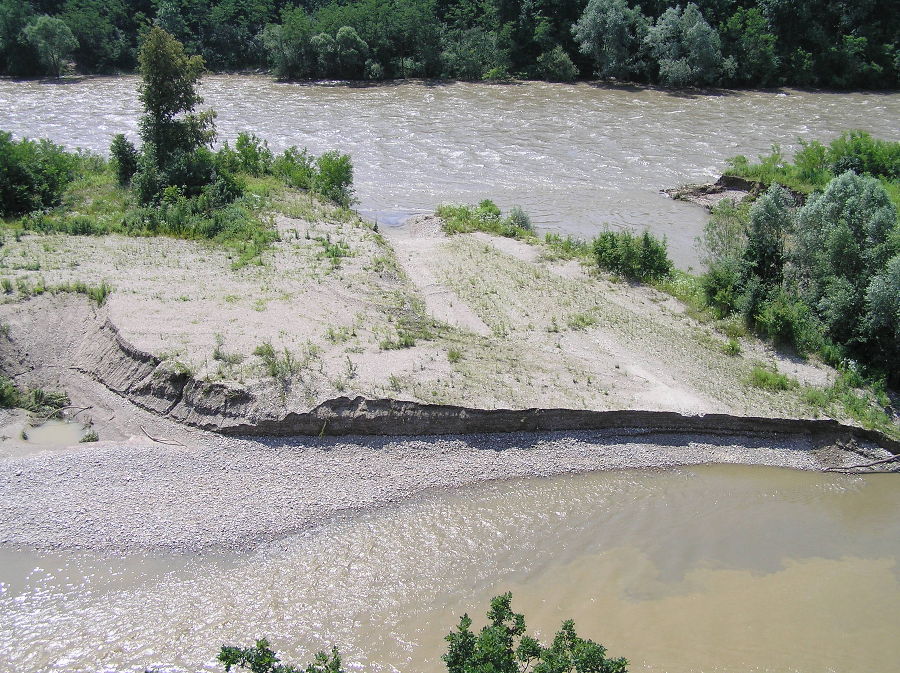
[[486, 217], [33, 174], [816, 164], [501, 646], [641, 257], [821, 278]]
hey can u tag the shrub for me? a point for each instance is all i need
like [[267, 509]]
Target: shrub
[[502, 646], [859, 152], [556, 66], [253, 155], [519, 219], [334, 177], [9, 394], [296, 168], [722, 285], [638, 257], [33, 174], [124, 156]]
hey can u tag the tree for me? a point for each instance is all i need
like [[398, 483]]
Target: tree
[[843, 240], [17, 55], [771, 220], [102, 45], [33, 174], [53, 41], [500, 647], [687, 49], [612, 33], [503, 647], [174, 136], [556, 66], [289, 46], [748, 40]]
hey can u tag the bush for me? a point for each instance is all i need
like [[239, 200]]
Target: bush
[[334, 177], [519, 219], [124, 156], [859, 152], [722, 285], [638, 257], [33, 175], [556, 66], [296, 168]]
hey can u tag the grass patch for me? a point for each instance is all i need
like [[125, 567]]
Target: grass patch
[[558, 247], [486, 216], [96, 293], [581, 321], [767, 379], [89, 436], [731, 347], [35, 400], [402, 340], [852, 396], [454, 355]]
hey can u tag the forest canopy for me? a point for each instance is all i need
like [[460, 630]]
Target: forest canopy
[[732, 43]]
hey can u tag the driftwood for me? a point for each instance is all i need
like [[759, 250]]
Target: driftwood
[[71, 406], [162, 441], [862, 465]]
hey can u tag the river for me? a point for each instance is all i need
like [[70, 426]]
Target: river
[[713, 568], [577, 158]]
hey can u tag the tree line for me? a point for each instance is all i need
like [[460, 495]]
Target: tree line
[[733, 43]]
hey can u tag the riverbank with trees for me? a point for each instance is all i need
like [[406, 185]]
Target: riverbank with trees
[[762, 43]]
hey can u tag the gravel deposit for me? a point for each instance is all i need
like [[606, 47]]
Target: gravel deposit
[[228, 493]]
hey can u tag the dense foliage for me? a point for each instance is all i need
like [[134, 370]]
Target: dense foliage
[[502, 646], [823, 276], [641, 257], [33, 175], [822, 43]]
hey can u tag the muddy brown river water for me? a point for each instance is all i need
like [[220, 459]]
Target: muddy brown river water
[[578, 158], [715, 568]]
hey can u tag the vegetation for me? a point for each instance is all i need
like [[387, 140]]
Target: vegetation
[[641, 257], [35, 400], [822, 277], [707, 42], [502, 646], [486, 217], [815, 165], [174, 184], [33, 175]]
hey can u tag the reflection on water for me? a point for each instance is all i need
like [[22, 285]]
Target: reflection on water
[[576, 157], [717, 568]]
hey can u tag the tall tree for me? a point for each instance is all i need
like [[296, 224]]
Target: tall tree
[[52, 40], [687, 49], [171, 131], [611, 33]]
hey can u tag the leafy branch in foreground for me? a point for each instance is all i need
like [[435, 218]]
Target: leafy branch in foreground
[[502, 646]]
